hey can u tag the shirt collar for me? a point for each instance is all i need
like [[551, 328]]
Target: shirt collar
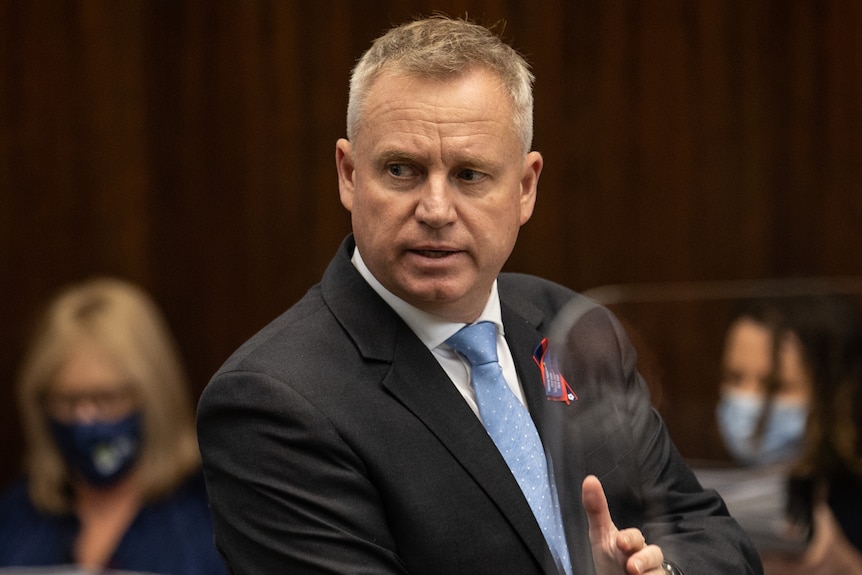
[[431, 329]]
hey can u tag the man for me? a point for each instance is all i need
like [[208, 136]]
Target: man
[[353, 434]]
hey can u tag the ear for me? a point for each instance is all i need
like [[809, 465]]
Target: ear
[[346, 170], [533, 163]]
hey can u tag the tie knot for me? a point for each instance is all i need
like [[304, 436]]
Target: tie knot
[[476, 342]]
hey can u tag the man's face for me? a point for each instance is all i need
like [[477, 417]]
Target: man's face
[[438, 186]]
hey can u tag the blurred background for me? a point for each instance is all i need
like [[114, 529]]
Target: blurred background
[[693, 149]]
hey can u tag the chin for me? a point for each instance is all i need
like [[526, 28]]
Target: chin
[[453, 306]]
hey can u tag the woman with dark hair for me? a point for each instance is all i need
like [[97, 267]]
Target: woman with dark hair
[[791, 394]]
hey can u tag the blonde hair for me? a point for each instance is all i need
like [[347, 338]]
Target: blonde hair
[[441, 47], [120, 319]]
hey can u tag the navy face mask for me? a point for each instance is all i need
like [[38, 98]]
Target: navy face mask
[[100, 452]]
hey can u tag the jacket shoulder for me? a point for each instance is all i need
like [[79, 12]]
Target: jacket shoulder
[[530, 294], [292, 327]]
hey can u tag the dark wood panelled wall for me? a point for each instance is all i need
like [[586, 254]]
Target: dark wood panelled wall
[[189, 145]]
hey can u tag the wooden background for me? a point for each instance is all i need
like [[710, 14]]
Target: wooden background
[[189, 145]]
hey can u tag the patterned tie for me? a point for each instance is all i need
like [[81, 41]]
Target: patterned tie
[[510, 426]]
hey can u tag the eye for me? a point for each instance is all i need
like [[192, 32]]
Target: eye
[[731, 378], [401, 170], [470, 175]]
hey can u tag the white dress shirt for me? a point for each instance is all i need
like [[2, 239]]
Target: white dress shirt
[[434, 331]]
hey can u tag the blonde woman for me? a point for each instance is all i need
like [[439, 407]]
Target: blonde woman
[[111, 464]]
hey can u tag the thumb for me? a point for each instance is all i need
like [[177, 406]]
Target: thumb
[[596, 506]]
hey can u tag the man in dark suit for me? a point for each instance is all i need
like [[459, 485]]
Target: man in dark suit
[[347, 436]]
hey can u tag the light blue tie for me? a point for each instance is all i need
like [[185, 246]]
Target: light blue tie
[[510, 426]]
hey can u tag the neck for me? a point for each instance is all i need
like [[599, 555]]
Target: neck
[[105, 515], [124, 494]]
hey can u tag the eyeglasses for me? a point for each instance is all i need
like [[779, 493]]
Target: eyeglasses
[[103, 404]]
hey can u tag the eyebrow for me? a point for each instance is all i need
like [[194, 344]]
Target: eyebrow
[[480, 161], [393, 154]]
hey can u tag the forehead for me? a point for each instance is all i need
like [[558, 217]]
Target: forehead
[[469, 103], [87, 368], [749, 343]]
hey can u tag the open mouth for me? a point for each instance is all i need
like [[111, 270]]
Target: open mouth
[[433, 254]]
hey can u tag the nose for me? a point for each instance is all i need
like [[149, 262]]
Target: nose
[[85, 410], [436, 206]]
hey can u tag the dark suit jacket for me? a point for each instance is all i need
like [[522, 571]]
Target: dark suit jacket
[[333, 442]]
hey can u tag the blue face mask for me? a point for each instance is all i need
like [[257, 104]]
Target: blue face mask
[[101, 453], [781, 439]]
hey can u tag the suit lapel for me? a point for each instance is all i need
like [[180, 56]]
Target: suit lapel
[[523, 337]]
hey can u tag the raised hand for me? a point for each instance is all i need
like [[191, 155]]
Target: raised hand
[[616, 552]]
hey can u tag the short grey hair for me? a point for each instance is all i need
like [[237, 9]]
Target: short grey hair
[[438, 47]]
